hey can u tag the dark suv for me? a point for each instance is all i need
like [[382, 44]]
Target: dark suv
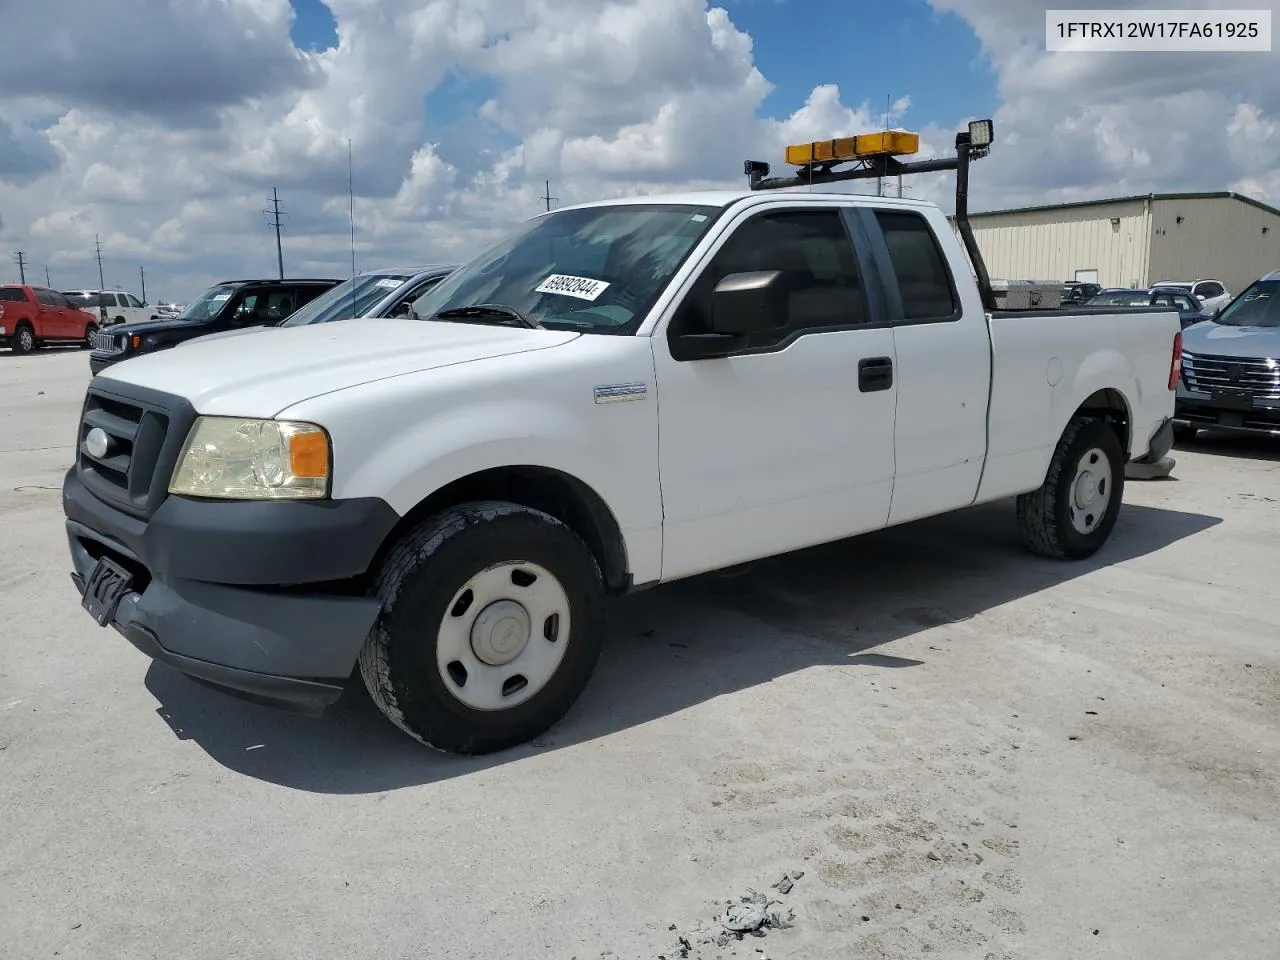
[[229, 305]]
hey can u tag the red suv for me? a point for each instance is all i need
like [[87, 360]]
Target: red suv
[[33, 316]]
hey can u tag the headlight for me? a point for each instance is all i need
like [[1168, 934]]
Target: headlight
[[229, 458]]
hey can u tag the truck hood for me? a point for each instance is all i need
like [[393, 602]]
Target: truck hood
[[232, 377], [1224, 341], [144, 327], [223, 334]]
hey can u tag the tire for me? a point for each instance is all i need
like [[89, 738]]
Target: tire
[[24, 340], [428, 643], [1053, 521], [89, 330], [1183, 433]]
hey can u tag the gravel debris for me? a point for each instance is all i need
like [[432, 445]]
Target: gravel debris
[[751, 915]]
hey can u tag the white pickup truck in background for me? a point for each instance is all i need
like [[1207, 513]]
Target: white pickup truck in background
[[619, 394]]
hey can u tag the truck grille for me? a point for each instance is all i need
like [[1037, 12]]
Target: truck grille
[[107, 343], [1258, 378], [143, 435]]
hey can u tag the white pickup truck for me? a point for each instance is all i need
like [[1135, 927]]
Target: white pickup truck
[[617, 395]]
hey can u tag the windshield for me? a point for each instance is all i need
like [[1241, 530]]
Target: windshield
[[1259, 306], [597, 269], [351, 298], [208, 304]]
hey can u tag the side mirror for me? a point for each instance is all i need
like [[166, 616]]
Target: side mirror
[[741, 304], [747, 303]]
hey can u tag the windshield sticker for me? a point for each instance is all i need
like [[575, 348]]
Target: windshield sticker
[[388, 283], [220, 297], [698, 217], [584, 288]]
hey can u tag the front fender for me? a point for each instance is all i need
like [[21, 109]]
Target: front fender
[[611, 450]]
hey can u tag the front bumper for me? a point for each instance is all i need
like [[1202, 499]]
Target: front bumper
[[100, 361], [239, 595], [1249, 415]]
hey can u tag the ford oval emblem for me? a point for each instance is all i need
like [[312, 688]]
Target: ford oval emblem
[[97, 443]]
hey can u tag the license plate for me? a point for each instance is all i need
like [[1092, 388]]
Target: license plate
[[105, 588], [1233, 402]]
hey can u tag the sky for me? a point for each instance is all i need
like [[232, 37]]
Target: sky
[[160, 127]]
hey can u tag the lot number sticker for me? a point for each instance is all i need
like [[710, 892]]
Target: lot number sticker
[[584, 288]]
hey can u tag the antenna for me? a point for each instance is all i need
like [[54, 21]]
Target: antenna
[[547, 196], [351, 214], [22, 266], [276, 214]]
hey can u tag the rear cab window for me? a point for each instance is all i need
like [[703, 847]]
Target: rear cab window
[[925, 284]]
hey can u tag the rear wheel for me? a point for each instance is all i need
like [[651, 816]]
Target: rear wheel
[[24, 340], [1071, 516], [491, 621]]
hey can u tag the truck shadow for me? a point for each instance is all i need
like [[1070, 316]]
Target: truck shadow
[[676, 646], [1223, 443]]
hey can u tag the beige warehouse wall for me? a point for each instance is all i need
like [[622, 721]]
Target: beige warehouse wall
[[1218, 237], [1054, 244]]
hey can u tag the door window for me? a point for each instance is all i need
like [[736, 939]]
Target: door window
[[133, 301], [820, 274], [924, 280]]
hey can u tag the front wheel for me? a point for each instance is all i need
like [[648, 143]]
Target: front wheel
[[1071, 516], [491, 622], [89, 330]]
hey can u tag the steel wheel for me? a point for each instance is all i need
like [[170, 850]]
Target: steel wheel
[[1090, 491], [26, 340], [504, 636]]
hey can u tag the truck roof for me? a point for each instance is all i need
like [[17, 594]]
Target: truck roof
[[724, 198]]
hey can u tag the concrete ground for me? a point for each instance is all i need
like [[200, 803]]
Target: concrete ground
[[970, 753]]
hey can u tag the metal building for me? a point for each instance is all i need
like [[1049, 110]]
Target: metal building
[[1134, 241]]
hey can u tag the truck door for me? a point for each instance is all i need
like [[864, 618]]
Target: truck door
[[943, 361], [52, 322], [788, 442]]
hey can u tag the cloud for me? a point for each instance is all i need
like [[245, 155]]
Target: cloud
[[161, 126], [176, 60], [1076, 126]]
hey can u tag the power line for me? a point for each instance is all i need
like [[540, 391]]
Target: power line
[[547, 196], [22, 266], [276, 213]]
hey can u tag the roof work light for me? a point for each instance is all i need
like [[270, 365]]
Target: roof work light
[[980, 134], [893, 143]]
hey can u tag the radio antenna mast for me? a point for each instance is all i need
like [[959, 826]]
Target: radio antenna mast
[[351, 215]]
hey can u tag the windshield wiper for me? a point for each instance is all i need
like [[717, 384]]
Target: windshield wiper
[[482, 310]]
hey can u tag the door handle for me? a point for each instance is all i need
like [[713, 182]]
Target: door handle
[[875, 373]]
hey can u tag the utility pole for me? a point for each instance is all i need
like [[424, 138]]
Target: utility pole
[[547, 196], [48, 282], [142, 275], [102, 284], [276, 213], [22, 266]]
